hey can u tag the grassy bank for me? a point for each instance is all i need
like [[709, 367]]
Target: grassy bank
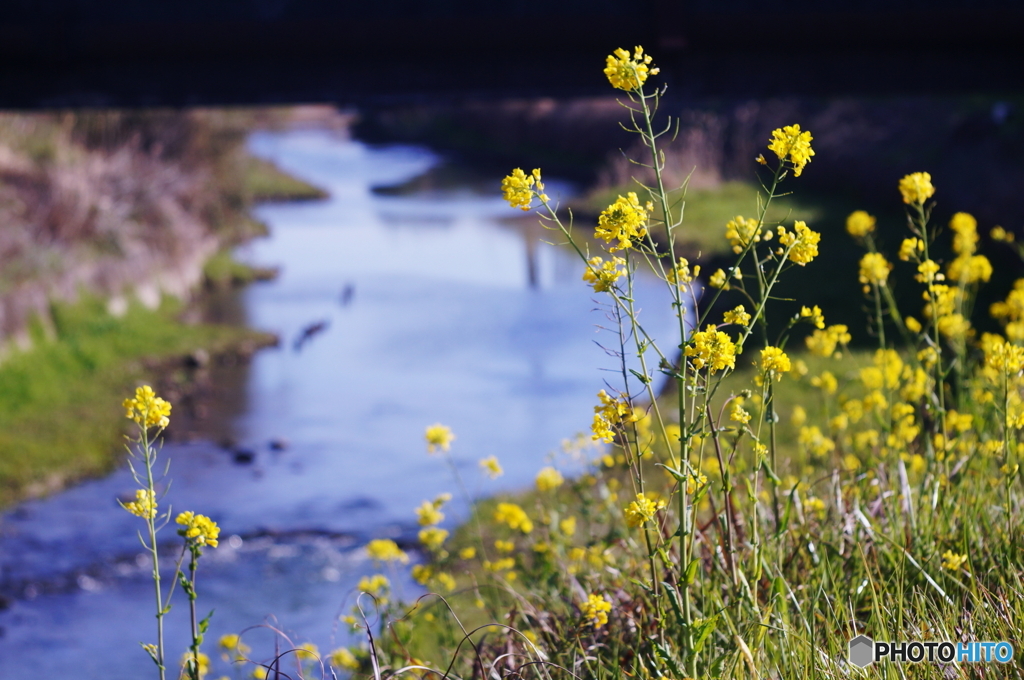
[[56, 400]]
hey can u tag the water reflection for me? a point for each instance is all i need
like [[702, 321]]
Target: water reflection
[[426, 309]]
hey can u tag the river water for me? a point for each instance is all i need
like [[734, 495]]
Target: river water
[[433, 310]]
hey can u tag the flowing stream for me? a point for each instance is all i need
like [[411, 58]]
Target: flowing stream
[[432, 310]]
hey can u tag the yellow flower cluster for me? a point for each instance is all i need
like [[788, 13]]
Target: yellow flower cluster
[[344, 660], [491, 467], [774, 361], [813, 315], [681, 273], [628, 72], [438, 436], [802, 242], [917, 188], [1011, 312], [711, 348], [623, 221], [386, 550], [374, 585], [738, 316], [433, 538], [816, 442], [143, 506], [609, 413], [859, 224], [520, 188], [549, 479], [641, 510], [429, 512], [514, 516], [596, 609], [951, 561], [965, 233], [824, 342], [147, 409], [603, 275], [200, 661], [741, 231], [792, 144], [719, 280], [199, 530], [1003, 356], [874, 270]]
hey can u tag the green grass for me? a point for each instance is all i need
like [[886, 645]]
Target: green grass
[[60, 402], [264, 181]]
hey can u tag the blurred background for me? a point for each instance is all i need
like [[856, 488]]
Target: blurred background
[[285, 216]]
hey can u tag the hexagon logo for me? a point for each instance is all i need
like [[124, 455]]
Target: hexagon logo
[[862, 651]]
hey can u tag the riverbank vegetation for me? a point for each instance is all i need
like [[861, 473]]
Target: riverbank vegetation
[[784, 493], [113, 222]]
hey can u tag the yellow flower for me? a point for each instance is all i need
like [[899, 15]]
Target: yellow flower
[[567, 526], [642, 510], [433, 537], [609, 413], [549, 478], [859, 224], [874, 269], [916, 188], [912, 324], [520, 188], [596, 609], [814, 316], [344, 660], [147, 409], [774, 361], [965, 233], [374, 585], [952, 561], [428, 513], [143, 506], [201, 661], [712, 348], [438, 437], [802, 242], [385, 550], [1002, 355], [513, 516], [970, 269], [826, 381], [790, 143], [446, 581], [622, 221], [815, 442], [627, 72], [799, 416], [1000, 234], [307, 651], [824, 342], [719, 280], [738, 316], [491, 467], [681, 273], [199, 530], [422, 573], [741, 231], [504, 546], [737, 413], [603, 275]]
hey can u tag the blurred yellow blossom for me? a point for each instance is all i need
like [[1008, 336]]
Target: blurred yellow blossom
[[567, 526], [874, 270], [813, 315], [344, 660], [513, 516], [741, 231], [438, 436], [916, 188], [386, 550], [549, 478], [374, 585], [965, 233], [719, 280], [491, 467], [774, 361], [824, 342], [860, 224], [951, 561], [596, 609], [433, 537]]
